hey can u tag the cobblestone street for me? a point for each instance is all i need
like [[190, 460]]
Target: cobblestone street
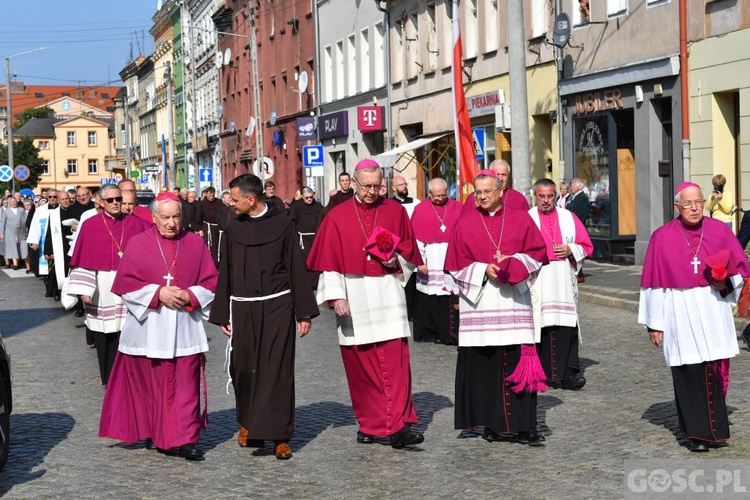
[[626, 411]]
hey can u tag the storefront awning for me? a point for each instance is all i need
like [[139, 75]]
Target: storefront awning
[[390, 158]]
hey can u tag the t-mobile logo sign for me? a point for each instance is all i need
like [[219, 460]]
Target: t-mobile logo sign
[[370, 118]]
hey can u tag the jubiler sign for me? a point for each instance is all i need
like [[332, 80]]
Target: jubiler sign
[[591, 102]]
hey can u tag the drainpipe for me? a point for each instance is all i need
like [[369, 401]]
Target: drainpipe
[[387, 29], [685, 97]]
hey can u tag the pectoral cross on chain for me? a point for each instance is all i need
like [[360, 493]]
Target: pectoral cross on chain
[[443, 228], [169, 278], [695, 264], [498, 255]]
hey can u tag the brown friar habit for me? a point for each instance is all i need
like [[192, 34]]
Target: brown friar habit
[[261, 257], [206, 220], [307, 218]]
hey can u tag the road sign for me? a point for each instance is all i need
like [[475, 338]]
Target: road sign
[[144, 179], [479, 142], [206, 175], [22, 173], [107, 180], [6, 173], [118, 177], [312, 156]]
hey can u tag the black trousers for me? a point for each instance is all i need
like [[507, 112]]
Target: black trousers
[[701, 406], [483, 394], [432, 318], [558, 352], [106, 350], [410, 291]]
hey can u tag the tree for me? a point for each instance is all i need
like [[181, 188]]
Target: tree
[[29, 114], [24, 153]]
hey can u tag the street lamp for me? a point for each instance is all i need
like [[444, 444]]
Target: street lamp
[[10, 110]]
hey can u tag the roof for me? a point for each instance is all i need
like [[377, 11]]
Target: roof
[[32, 96], [38, 127]]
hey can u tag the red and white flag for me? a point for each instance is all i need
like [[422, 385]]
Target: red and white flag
[[465, 153]]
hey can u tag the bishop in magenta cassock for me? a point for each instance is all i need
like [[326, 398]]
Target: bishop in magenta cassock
[[692, 276], [366, 292], [494, 255], [509, 197], [99, 248], [154, 388], [555, 291], [433, 221], [262, 298]]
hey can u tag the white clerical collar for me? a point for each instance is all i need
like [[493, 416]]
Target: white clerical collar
[[265, 209]]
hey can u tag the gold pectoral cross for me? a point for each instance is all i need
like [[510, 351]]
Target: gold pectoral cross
[[498, 255]]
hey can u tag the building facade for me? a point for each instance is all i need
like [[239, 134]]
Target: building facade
[[622, 133]]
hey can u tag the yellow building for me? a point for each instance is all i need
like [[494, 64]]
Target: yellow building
[[74, 151]]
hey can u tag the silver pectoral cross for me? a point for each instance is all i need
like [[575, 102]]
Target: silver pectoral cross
[[695, 262], [169, 278], [498, 255], [443, 228]]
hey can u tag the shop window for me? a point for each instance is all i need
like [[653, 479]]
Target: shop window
[[592, 166]]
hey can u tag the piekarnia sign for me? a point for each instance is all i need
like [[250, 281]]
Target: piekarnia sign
[[483, 104]]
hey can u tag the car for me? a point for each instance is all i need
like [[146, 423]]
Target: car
[[144, 197], [6, 403]]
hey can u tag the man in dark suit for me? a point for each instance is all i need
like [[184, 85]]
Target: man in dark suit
[[578, 203]]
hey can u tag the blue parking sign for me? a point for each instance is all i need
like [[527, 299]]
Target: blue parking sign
[[312, 156]]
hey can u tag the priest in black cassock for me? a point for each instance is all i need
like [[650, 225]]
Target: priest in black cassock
[[307, 217], [262, 297]]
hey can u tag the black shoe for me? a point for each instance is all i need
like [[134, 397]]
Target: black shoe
[[48, 295], [149, 444], [490, 436], [405, 437], [191, 452], [79, 313], [56, 297], [29, 271], [574, 382], [697, 446], [363, 438], [718, 444], [531, 438]]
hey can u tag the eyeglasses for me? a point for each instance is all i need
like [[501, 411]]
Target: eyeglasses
[[370, 187], [486, 192], [308, 198], [51, 197], [117, 199], [692, 204]]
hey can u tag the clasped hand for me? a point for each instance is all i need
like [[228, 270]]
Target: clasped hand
[[562, 251], [173, 297]]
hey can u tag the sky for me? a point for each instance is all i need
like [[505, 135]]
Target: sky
[[89, 41]]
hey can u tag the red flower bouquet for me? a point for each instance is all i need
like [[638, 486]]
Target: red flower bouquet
[[382, 243], [717, 265]]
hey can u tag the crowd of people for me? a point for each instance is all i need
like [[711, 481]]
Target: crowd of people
[[494, 277]]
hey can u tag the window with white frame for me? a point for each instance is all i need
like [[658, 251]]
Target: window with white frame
[[397, 58], [45, 167], [43, 145], [72, 167], [413, 64], [71, 138], [491, 26], [538, 18], [92, 138], [339, 69], [617, 7], [364, 60], [378, 43], [432, 39], [328, 74], [93, 167], [470, 30], [351, 65], [581, 10]]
